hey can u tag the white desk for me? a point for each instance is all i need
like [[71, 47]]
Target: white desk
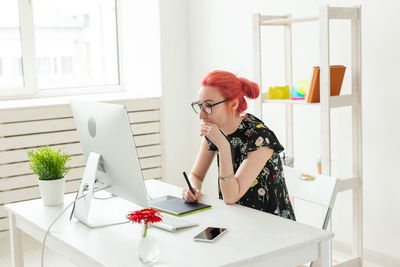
[[254, 238]]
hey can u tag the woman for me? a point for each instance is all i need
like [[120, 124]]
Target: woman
[[249, 166]]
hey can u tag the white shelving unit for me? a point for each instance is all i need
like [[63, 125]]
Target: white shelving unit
[[327, 102]]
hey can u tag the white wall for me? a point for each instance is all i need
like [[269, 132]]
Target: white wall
[[217, 34], [213, 45], [140, 26], [381, 70], [177, 130]]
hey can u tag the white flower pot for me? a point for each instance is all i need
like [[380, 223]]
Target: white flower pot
[[52, 191]]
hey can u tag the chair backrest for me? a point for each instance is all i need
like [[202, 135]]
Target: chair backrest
[[321, 190]]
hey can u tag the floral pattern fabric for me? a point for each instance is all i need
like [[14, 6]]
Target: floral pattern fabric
[[268, 192]]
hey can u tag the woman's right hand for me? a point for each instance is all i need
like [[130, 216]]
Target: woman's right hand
[[188, 196]]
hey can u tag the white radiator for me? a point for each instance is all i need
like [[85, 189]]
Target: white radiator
[[24, 129]]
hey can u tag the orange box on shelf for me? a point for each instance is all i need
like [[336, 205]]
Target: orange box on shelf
[[337, 74]]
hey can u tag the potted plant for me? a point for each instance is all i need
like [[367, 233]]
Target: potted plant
[[49, 165]]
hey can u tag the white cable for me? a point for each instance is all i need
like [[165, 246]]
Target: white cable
[[55, 220], [48, 229], [104, 198]]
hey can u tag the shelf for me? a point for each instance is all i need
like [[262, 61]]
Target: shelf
[[344, 100], [344, 12], [334, 13], [288, 101], [334, 101], [280, 22], [327, 15]]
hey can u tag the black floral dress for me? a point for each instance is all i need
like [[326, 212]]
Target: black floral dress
[[268, 192]]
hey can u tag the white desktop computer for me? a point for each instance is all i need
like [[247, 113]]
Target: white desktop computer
[[112, 163]]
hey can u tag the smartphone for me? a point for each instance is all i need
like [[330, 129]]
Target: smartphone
[[210, 234]]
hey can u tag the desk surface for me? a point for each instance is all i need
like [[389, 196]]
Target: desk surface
[[252, 235]]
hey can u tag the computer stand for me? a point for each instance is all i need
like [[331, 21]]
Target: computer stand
[[88, 210]]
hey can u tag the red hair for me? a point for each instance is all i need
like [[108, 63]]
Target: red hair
[[230, 86]]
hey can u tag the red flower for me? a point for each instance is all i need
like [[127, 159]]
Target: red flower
[[145, 215]]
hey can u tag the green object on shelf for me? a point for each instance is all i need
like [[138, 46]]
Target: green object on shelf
[[307, 177], [279, 92]]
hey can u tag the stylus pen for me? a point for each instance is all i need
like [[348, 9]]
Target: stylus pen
[[188, 182]]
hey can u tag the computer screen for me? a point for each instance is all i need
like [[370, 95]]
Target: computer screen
[[105, 129]]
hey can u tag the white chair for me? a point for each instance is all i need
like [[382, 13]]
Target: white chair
[[321, 191]]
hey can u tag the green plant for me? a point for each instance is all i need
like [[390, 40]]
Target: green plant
[[49, 164]]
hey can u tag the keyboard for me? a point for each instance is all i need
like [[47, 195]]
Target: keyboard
[[171, 223]]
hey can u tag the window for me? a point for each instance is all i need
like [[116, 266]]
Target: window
[[17, 66], [43, 66], [71, 45], [66, 65], [10, 46]]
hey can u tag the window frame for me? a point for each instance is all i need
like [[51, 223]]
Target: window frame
[[30, 87]]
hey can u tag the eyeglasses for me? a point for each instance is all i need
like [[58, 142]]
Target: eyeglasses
[[207, 108]]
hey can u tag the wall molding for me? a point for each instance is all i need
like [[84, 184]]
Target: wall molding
[[369, 255]]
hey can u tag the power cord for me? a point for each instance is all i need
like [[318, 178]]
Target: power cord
[[69, 205], [94, 197], [104, 198]]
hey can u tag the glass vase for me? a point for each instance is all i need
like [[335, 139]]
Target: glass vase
[[147, 250]]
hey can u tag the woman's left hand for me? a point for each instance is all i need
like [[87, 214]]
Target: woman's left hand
[[212, 132]]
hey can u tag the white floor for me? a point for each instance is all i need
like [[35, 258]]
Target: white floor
[[32, 251]]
